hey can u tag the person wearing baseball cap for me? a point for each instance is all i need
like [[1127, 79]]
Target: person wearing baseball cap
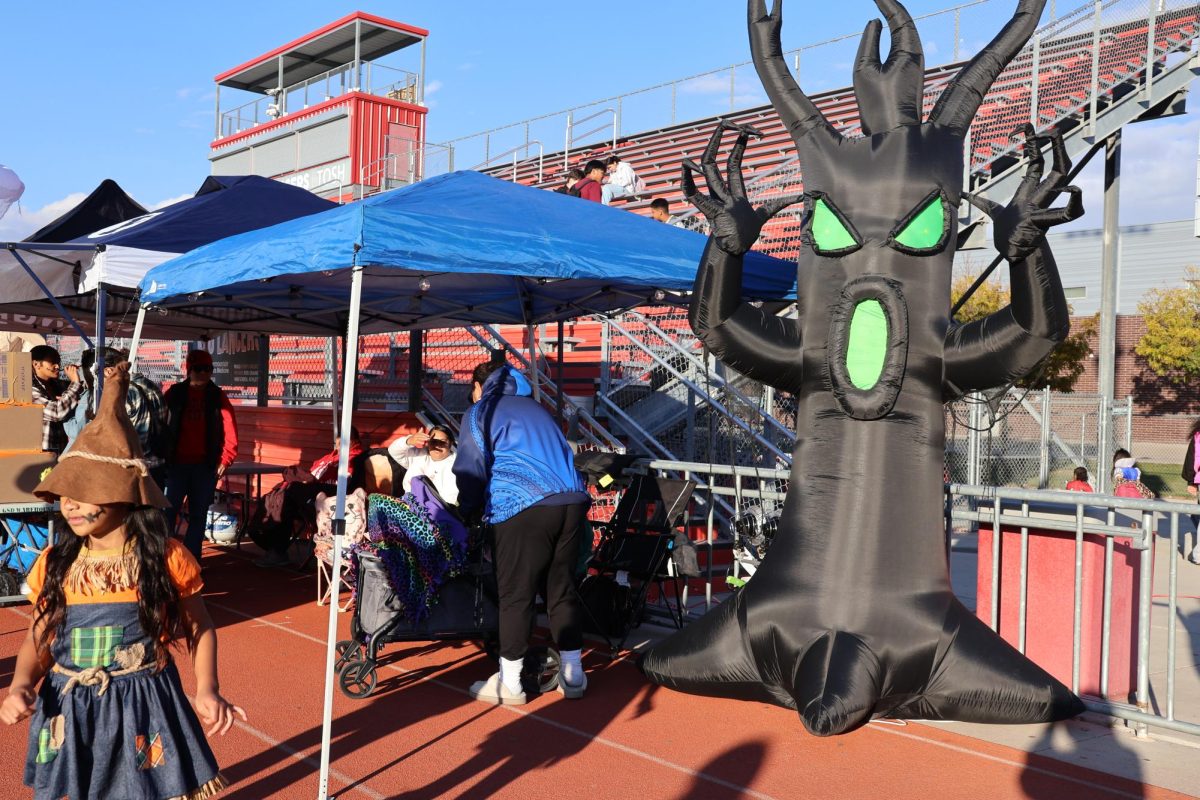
[[201, 443]]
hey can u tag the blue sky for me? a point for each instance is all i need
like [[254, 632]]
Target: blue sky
[[124, 90]]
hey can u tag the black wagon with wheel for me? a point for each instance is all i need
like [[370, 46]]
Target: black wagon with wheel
[[466, 609]]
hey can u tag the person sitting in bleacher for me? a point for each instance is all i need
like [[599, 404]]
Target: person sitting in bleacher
[[430, 454], [660, 210], [621, 181], [574, 176], [589, 188]]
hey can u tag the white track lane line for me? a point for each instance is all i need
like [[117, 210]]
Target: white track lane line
[[623, 748], [688, 771], [278, 745], [696, 774], [1023, 766]]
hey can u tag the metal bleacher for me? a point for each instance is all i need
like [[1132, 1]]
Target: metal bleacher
[[1087, 72]]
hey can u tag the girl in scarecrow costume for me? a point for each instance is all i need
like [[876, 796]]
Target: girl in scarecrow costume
[[111, 717]]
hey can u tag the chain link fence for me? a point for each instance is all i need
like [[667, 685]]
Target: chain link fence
[[1033, 440]]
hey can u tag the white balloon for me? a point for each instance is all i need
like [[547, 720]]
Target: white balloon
[[11, 189]]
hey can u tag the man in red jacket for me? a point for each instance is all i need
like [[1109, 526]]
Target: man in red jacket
[[589, 188], [201, 443]]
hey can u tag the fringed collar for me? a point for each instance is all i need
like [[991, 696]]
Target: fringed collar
[[103, 572]]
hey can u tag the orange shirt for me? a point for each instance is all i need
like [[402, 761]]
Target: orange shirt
[[181, 567]]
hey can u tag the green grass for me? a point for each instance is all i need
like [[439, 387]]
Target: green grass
[[1162, 479]]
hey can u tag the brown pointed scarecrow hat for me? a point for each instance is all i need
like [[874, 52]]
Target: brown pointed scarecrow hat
[[105, 464]]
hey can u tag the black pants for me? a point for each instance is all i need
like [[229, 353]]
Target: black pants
[[538, 549]]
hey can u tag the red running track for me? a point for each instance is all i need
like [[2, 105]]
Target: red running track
[[420, 735]]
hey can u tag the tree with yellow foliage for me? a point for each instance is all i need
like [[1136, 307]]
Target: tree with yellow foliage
[[1062, 368], [1171, 344]]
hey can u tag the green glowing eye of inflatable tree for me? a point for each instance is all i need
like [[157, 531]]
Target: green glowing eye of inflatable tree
[[926, 231], [831, 233]]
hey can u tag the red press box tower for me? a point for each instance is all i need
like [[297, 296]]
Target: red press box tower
[[328, 115]]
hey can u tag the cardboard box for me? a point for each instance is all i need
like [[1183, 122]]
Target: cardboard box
[[20, 427], [16, 378], [20, 473]]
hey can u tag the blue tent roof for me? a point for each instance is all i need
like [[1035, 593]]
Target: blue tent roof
[[456, 249]]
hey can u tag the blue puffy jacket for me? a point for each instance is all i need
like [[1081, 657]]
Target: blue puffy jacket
[[511, 453]]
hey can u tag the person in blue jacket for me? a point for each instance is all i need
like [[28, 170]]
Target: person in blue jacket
[[516, 472]]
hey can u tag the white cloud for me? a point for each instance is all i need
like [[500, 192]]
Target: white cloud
[[170, 201], [466, 67], [432, 87], [185, 93], [16, 226], [706, 84], [1158, 175]]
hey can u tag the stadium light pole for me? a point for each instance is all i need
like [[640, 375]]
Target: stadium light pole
[[1108, 307]]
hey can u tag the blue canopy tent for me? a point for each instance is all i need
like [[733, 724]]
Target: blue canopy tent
[[456, 249]]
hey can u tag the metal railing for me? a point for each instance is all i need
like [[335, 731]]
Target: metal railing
[[1092, 519], [593, 433], [371, 78], [574, 136], [665, 385], [691, 97], [514, 152], [1094, 523], [403, 168]]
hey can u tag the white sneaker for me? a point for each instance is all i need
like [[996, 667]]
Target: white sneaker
[[494, 692], [572, 691]]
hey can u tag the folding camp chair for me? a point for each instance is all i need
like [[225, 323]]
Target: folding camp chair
[[635, 548]]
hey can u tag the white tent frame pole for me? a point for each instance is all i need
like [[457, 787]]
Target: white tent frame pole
[[136, 342], [101, 344], [334, 358], [349, 370]]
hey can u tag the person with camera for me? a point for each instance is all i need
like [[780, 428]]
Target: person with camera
[[430, 453], [57, 397]]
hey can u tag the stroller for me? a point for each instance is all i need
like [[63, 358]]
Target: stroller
[[466, 609], [22, 538]]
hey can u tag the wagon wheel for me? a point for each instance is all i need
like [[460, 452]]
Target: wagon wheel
[[357, 679], [347, 650], [541, 668]]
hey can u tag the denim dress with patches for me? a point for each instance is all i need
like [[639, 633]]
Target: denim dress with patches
[[136, 739]]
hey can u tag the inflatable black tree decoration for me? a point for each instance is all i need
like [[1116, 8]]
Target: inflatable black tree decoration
[[851, 616]]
